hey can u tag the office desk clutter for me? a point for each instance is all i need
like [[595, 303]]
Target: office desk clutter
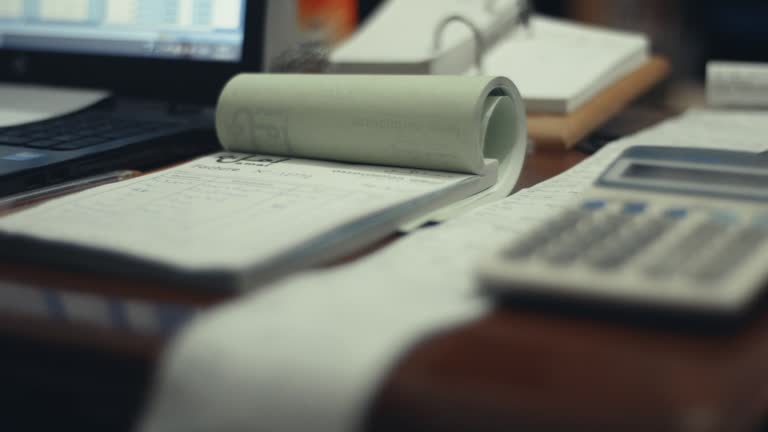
[[542, 56], [357, 320], [565, 96], [303, 182], [401, 37], [680, 228]]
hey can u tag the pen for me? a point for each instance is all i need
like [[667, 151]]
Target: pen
[[24, 198]]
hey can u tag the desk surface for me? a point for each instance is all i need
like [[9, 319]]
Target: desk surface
[[513, 369]]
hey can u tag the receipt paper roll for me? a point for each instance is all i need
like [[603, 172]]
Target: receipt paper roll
[[447, 123]]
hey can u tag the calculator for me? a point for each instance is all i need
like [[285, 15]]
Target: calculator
[[678, 228]]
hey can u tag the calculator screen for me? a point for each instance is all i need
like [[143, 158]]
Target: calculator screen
[[695, 175], [688, 172]]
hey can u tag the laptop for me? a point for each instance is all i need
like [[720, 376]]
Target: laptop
[[163, 61]]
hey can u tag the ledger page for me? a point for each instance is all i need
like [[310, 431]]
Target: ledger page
[[231, 210]]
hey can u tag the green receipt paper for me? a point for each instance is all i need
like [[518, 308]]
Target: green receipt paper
[[314, 168], [445, 123]]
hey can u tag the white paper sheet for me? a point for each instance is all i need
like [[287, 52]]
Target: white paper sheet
[[229, 210], [29, 103], [739, 130], [559, 65]]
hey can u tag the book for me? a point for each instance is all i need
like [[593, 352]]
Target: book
[[558, 65], [563, 131], [315, 168]]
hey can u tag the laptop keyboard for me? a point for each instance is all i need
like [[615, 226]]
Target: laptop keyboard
[[80, 130]]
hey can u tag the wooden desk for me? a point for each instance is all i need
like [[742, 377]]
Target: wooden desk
[[511, 370], [518, 370]]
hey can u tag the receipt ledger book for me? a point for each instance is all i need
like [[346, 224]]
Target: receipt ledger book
[[313, 168]]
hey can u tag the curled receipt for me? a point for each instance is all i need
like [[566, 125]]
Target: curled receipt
[[446, 123]]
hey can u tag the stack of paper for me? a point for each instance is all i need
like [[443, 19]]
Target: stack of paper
[[401, 37], [559, 65], [572, 77]]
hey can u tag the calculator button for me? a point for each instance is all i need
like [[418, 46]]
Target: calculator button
[[628, 245], [724, 217], [676, 213], [522, 249], [761, 220], [564, 225], [593, 205], [661, 268], [634, 207], [563, 255], [685, 249], [566, 221], [729, 254], [609, 257], [700, 237], [585, 236], [543, 236], [610, 225]]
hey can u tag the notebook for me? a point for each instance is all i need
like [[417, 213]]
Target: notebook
[[302, 181], [163, 62], [558, 65]]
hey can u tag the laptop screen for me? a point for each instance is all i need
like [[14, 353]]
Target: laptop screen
[[205, 30]]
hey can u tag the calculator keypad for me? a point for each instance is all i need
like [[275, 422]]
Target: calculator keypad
[[732, 251], [533, 243], [628, 244], [702, 244], [683, 251], [586, 235], [703, 255]]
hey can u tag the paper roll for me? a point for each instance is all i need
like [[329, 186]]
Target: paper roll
[[447, 123]]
